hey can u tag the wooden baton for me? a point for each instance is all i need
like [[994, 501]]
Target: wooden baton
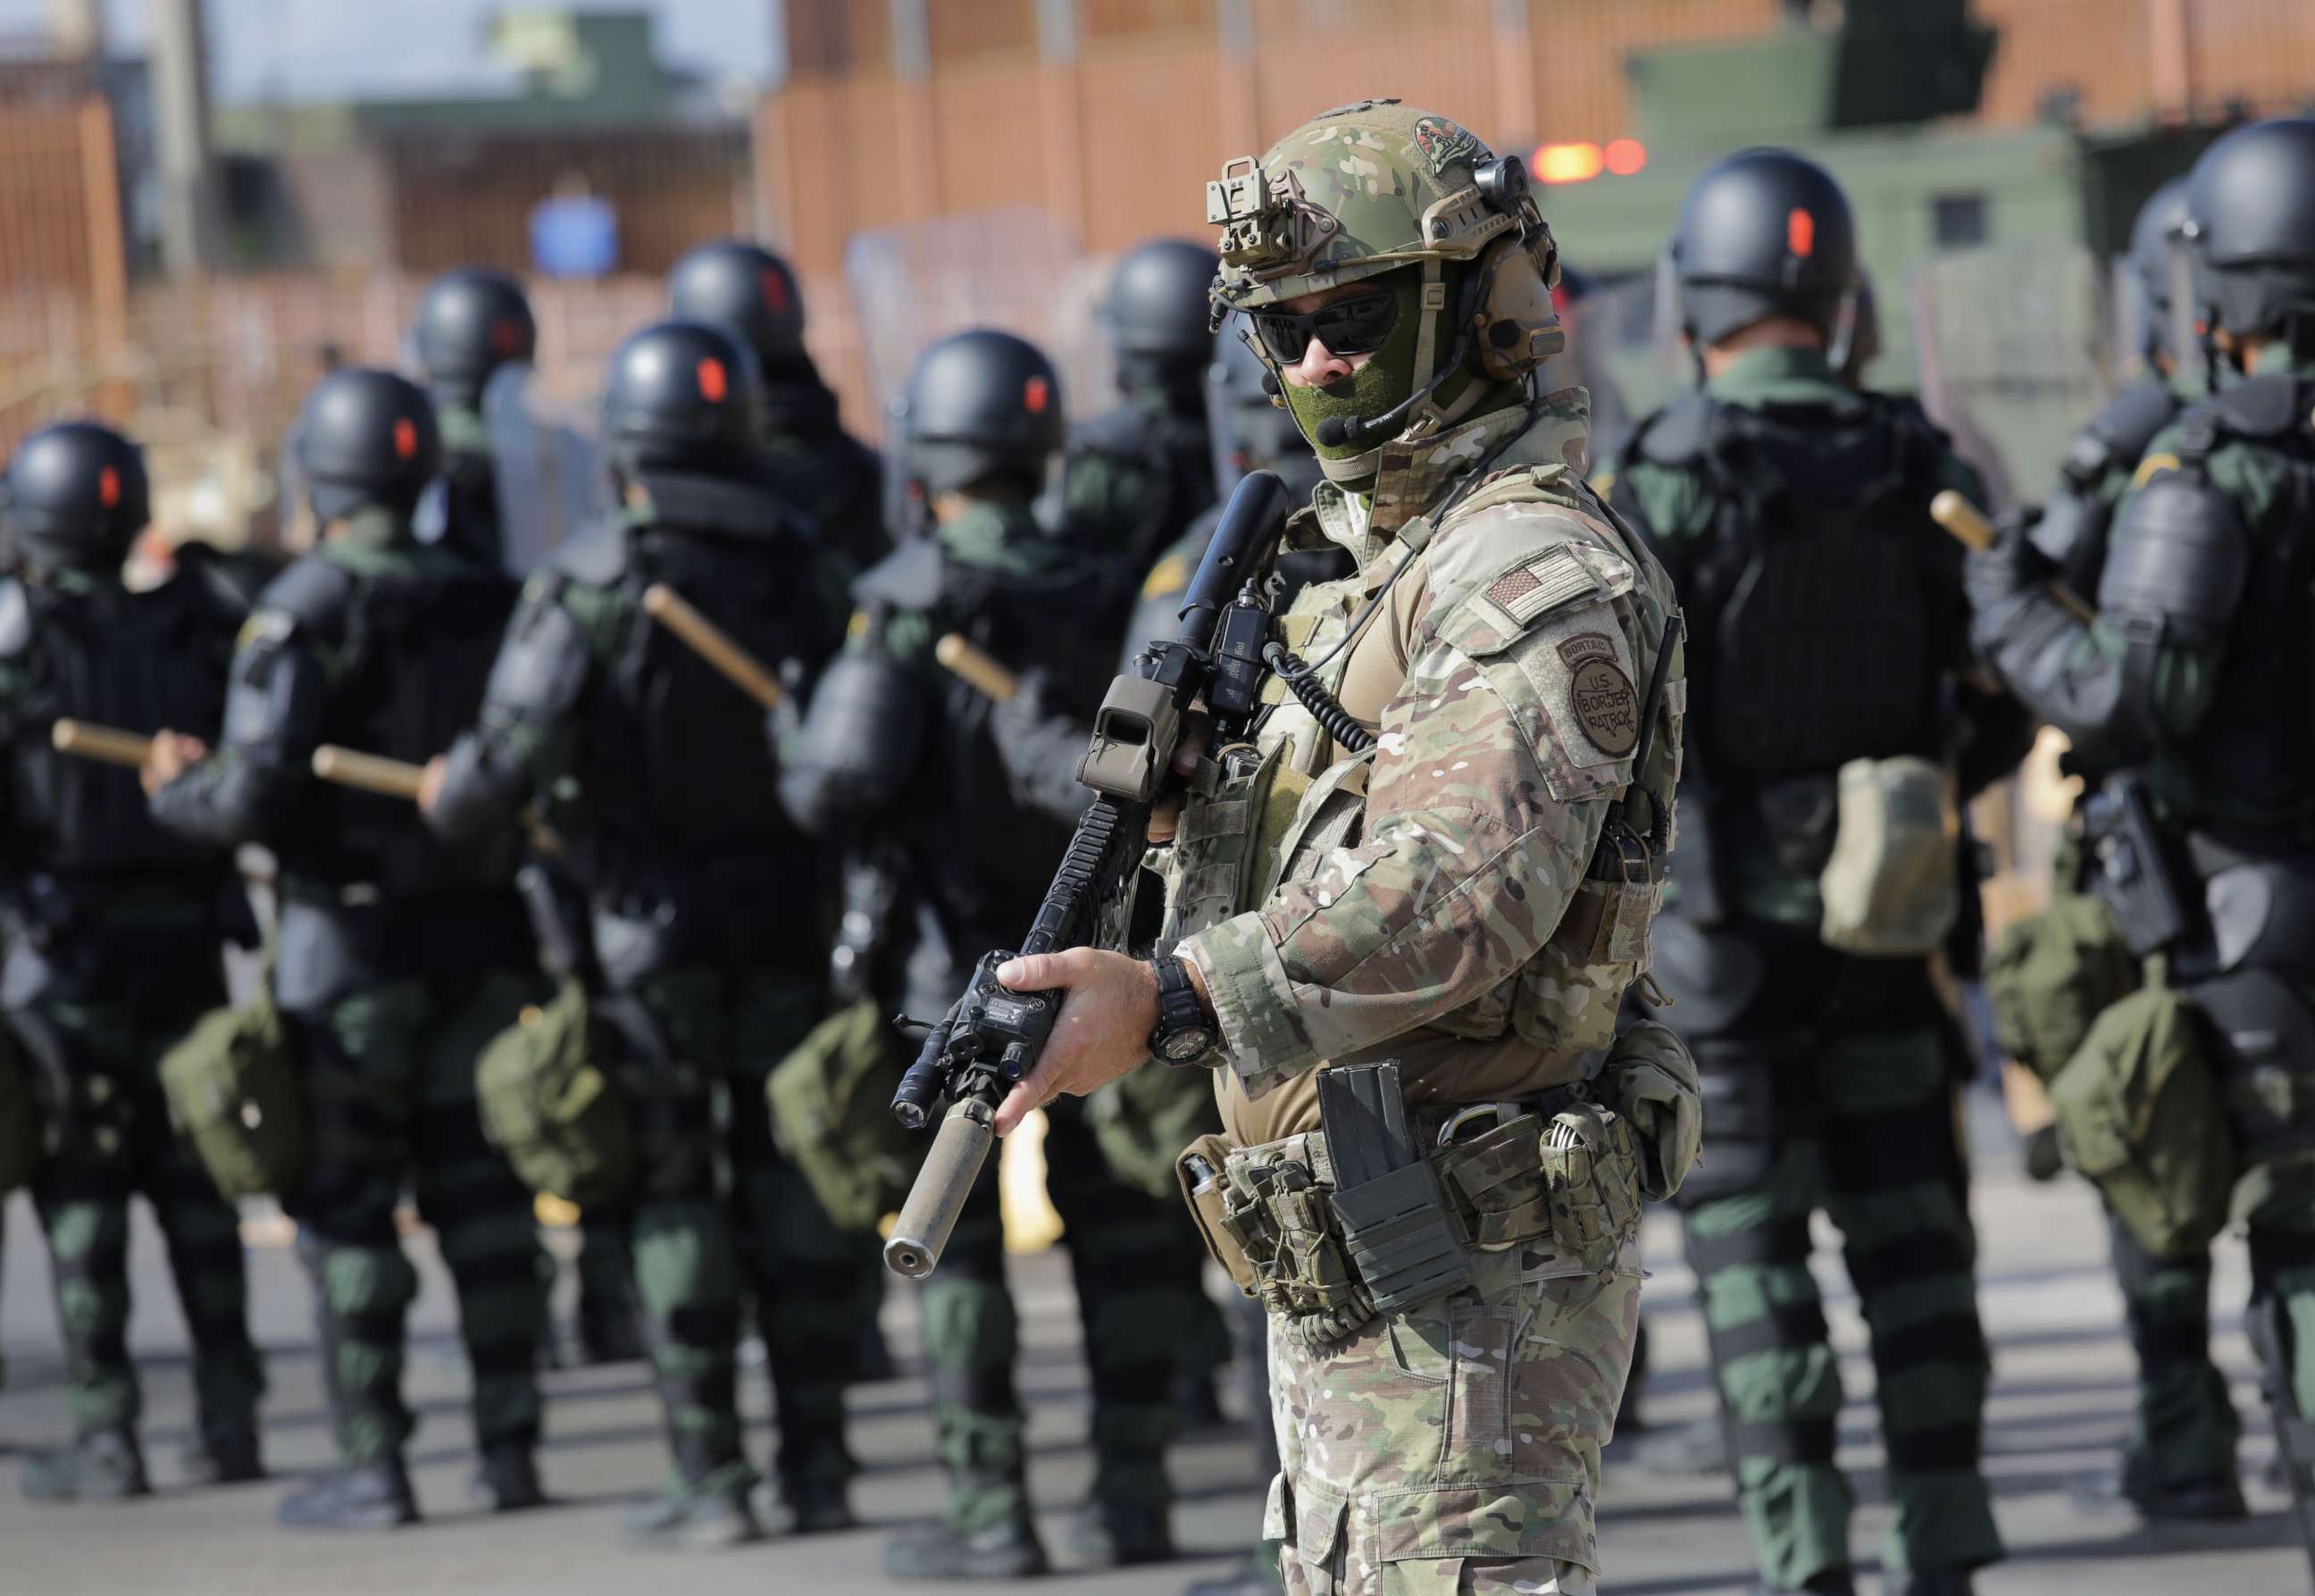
[[107, 744], [1969, 525], [390, 778], [712, 643], [976, 666]]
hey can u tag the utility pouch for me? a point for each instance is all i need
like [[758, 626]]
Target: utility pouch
[[233, 1093], [2133, 874], [1206, 1189], [830, 1101], [549, 1104], [2142, 1113], [1593, 1181], [2050, 978], [1399, 1236], [1608, 917], [20, 1126], [1889, 889], [1652, 1085]]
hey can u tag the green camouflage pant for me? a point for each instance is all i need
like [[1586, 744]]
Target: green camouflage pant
[[1135, 1291], [388, 1073], [700, 1240], [1883, 1162], [96, 1074], [1455, 1446]]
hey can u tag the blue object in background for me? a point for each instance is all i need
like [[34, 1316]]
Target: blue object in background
[[574, 236]]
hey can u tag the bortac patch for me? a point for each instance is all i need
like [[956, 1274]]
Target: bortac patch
[[1607, 706], [1443, 144]]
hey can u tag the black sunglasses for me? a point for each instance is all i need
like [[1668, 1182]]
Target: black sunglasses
[[1355, 324]]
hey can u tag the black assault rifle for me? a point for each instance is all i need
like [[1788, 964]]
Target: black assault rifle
[[992, 1036]]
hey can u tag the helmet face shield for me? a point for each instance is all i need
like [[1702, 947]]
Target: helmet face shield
[[2185, 318]]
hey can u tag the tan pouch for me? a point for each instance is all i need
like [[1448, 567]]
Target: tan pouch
[[1892, 887], [1594, 1183], [1203, 1187]]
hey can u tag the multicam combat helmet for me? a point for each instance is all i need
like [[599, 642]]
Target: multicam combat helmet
[[1371, 188]]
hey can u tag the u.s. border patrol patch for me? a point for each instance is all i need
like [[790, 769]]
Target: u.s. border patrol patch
[[1443, 144], [1607, 706]]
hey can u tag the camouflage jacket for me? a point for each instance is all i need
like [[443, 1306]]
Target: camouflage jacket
[[1403, 903]]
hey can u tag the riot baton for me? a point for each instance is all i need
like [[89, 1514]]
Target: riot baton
[[107, 745], [712, 643], [976, 666], [372, 772], [1969, 525]]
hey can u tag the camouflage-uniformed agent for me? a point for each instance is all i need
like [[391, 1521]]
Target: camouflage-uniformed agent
[[897, 744], [399, 958], [1826, 614], [831, 476], [2191, 688], [705, 924], [114, 931], [1135, 475], [470, 322], [1439, 898]]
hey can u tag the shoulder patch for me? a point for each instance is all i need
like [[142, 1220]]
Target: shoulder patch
[[1170, 575], [1567, 575], [1607, 705], [2153, 465]]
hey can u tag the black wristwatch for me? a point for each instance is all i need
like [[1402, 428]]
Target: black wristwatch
[[1184, 1035]]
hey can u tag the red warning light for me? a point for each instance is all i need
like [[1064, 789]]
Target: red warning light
[[405, 439], [712, 384], [1625, 156], [107, 487], [1575, 163], [1036, 394], [776, 291], [1800, 233]]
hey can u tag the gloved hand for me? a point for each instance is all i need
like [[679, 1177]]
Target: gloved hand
[[2013, 566]]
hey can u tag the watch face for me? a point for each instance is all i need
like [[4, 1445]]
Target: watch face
[[1182, 1046]]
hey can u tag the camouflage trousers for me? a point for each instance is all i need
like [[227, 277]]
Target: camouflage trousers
[[1137, 1291], [1880, 1157], [718, 1211], [388, 1072], [1454, 1447], [96, 1076]]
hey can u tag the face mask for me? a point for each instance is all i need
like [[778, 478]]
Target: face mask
[[1374, 387]]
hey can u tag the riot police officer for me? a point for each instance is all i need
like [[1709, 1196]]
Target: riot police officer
[[399, 956], [894, 744], [706, 934], [114, 932], [831, 476], [470, 322], [2188, 698], [1824, 612], [1135, 476]]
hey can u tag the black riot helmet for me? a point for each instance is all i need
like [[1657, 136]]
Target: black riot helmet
[[2251, 204], [1763, 233], [470, 322], [366, 439], [77, 498], [979, 403], [1250, 430], [746, 287], [682, 396], [1157, 310]]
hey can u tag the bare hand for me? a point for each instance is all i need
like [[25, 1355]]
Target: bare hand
[[1102, 1031], [171, 755], [1165, 814], [430, 785]]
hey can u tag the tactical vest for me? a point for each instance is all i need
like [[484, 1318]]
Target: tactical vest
[[139, 662], [411, 651], [2258, 734], [1821, 599], [988, 858], [682, 791]]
